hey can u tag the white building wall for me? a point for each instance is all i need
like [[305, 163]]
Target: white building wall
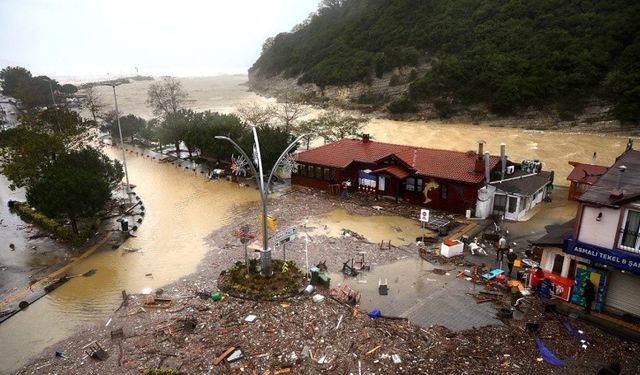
[[601, 233]]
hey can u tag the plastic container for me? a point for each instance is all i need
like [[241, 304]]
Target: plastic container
[[216, 296], [318, 298], [309, 289], [375, 313]]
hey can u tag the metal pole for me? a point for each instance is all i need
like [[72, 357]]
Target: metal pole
[[124, 156], [284, 251], [265, 258], [53, 99]]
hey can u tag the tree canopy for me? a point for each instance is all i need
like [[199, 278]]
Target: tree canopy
[[78, 184], [506, 54]]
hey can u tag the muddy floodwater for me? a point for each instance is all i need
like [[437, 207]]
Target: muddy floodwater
[[399, 230], [182, 208]]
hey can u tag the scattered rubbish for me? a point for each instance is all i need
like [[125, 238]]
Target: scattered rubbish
[[224, 355], [117, 333], [322, 359], [383, 288], [349, 270], [292, 356], [60, 353], [108, 322], [189, 324], [318, 298], [158, 302], [547, 354], [250, 318], [284, 305], [148, 274], [346, 295], [306, 351], [217, 296], [505, 313], [339, 321], [396, 358], [283, 370], [235, 356], [309, 289], [375, 313], [95, 351], [374, 349]]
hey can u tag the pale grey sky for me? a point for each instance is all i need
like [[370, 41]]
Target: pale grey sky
[[90, 38]]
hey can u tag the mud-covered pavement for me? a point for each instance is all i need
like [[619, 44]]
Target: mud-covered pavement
[[303, 337]]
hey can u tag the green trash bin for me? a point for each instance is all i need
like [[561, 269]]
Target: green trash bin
[[315, 272], [216, 296]]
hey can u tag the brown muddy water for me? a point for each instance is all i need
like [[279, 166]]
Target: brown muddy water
[[399, 230], [183, 208]]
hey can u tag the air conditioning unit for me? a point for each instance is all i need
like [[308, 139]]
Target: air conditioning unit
[[510, 169]]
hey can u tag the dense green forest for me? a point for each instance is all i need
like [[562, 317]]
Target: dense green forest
[[508, 55]]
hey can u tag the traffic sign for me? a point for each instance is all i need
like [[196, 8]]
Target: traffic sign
[[424, 215], [285, 235]]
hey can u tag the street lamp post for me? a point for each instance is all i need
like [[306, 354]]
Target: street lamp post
[[265, 253], [53, 99], [124, 156]]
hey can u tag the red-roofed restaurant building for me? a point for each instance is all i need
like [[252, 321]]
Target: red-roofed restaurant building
[[440, 179]]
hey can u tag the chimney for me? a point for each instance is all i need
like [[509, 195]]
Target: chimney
[[479, 167], [503, 160], [487, 167], [618, 192], [365, 138]]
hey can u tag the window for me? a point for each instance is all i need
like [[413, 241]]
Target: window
[[318, 173], [499, 204], [327, 174], [629, 232], [444, 192], [513, 204], [558, 261], [411, 184], [302, 170]]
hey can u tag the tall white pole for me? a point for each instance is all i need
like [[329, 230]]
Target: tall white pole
[[124, 156]]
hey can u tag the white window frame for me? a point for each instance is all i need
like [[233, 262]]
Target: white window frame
[[635, 249]]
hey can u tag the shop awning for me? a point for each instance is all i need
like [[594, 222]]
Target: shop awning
[[393, 170]]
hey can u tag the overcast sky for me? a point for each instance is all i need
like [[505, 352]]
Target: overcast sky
[[90, 38]]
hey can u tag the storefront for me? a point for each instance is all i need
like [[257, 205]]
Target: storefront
[[618, 277]]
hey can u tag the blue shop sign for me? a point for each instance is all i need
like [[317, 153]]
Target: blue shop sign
[[615, 258]]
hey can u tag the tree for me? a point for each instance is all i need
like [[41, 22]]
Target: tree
[[333, 126], [12, 77], [257, 115], [77, 185], [93, 101], [36, 92], [166, 97], [130, 125], [173, 128], [40, 140], [289, 109], [309, 127], [68, 89], [273, 140]]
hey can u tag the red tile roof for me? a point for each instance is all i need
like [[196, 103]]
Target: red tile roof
[[395, 171], [445, 164], [586, 173]]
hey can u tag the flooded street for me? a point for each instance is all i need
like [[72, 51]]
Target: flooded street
[[182, 208], [399, 230]]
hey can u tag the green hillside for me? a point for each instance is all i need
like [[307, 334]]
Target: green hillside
[[507, 55]]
